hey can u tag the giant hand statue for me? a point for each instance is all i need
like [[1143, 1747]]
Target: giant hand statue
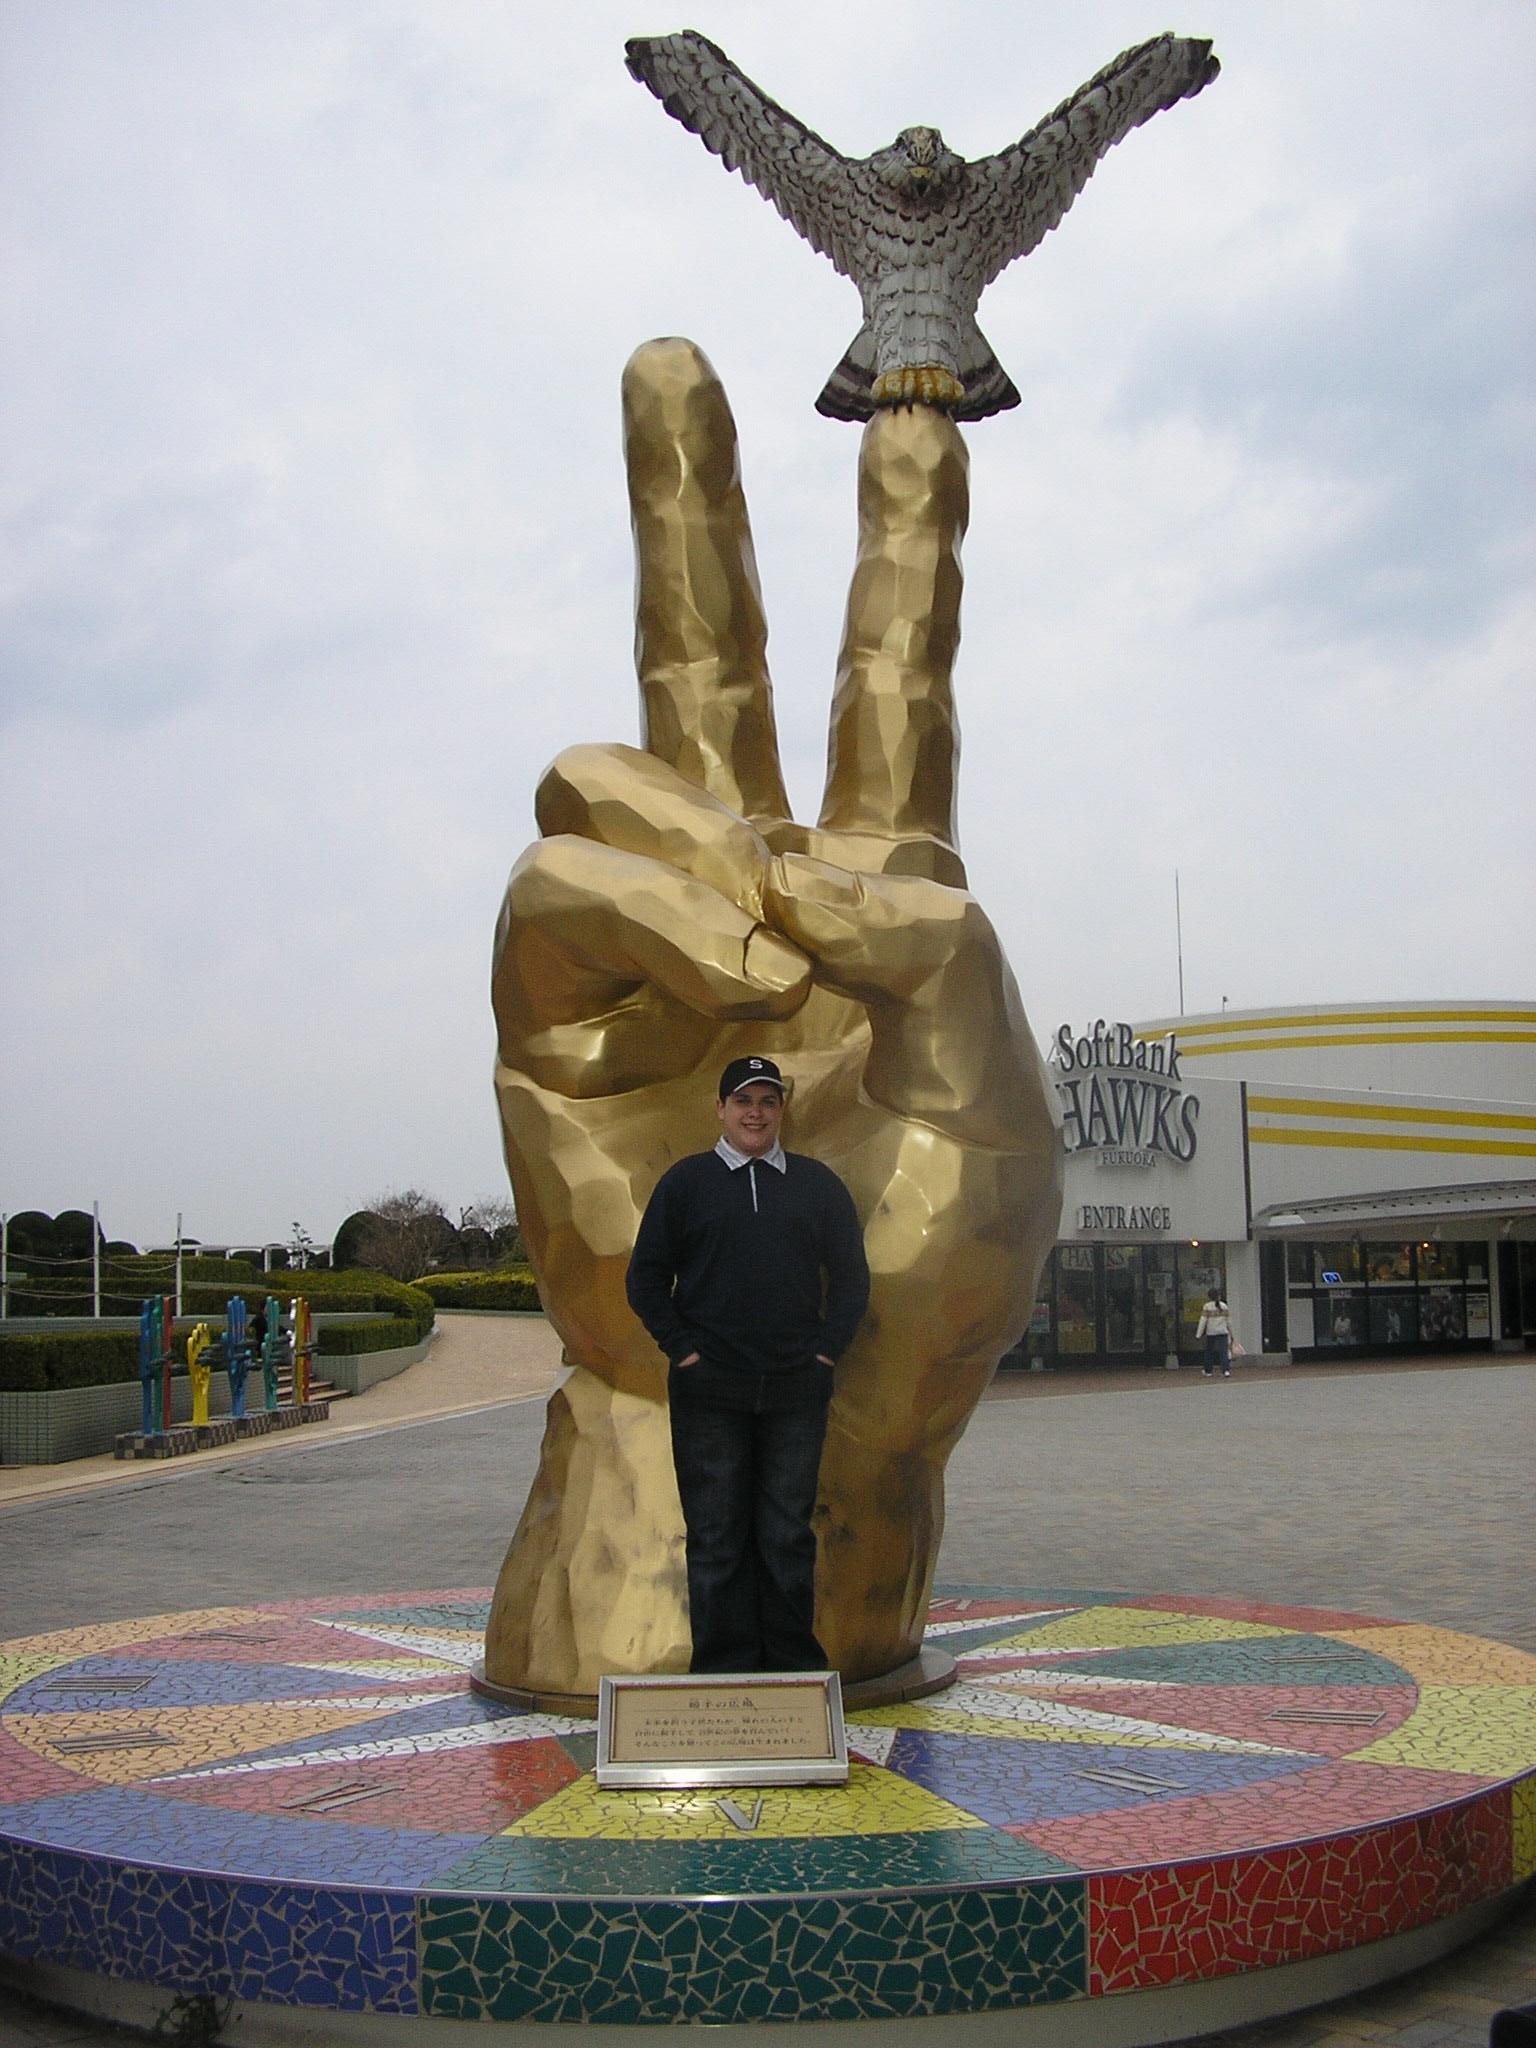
[[672, 915]]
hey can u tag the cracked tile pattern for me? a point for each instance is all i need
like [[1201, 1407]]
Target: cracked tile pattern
[[305, 1803]]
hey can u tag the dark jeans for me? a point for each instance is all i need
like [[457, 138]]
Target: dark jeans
[[1218, 1352], [747, 1460]]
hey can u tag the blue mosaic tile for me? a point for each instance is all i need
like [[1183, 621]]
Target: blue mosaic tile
[[180, 1683], [725, 1961], [132, 1825], [354, 1951], [157, 1926], [1011, 1784]]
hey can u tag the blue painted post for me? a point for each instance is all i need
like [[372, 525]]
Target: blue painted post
[[149, 1364]]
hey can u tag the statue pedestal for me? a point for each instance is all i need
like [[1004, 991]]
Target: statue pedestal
[[930, 1671], [1127, 1819]]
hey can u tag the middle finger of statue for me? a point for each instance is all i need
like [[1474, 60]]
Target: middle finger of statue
[[893, 751], [700, 635]]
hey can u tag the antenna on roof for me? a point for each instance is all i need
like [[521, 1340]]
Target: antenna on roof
[[1178, 926]]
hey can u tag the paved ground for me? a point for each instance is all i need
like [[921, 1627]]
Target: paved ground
[[1403, 1492]]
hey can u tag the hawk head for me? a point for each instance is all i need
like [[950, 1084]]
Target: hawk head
[[918, 165]]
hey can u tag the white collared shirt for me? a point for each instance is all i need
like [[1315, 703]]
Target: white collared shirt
[[751, 1161], [733, 1158]]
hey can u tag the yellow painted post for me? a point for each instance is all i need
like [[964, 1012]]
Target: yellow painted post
[[201, 1374]]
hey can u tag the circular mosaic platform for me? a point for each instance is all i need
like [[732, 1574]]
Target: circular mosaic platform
[[304, 1805]]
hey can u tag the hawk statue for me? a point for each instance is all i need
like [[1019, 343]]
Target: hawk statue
[[919, 230]]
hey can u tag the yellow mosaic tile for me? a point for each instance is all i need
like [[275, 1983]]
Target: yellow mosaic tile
[[16, 1670], [1485, 1729], [201, 1735], [872, 1802], [1524, 1803], [1133, 1628], [1436, 1656], [107, 1636]]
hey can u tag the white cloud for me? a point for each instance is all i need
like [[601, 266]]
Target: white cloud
[[318, 543]]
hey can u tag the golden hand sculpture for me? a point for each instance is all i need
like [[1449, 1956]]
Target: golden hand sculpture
[[672, 916]]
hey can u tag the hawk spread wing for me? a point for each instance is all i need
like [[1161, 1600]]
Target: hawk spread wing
[[805, 177], [1032, 183]]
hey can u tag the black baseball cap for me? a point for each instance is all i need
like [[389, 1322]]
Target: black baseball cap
[[750, 1068]]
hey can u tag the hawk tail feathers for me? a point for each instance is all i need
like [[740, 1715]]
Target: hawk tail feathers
[[845, 395], [988, 386]]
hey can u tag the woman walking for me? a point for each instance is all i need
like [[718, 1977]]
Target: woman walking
[[1215, 1327]]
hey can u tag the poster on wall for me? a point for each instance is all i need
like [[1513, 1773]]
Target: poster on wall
[[1479, 1323]]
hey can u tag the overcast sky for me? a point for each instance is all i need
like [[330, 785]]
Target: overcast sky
[[316, 547]]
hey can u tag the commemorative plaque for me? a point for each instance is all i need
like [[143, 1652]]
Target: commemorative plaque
[[751, 1728]]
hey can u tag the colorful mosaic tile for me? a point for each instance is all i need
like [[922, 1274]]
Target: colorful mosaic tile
[[1182, 1923], [1523, 1821], [307, 1803], [722, 1961]]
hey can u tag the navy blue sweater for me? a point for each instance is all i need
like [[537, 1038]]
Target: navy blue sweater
[[759, 1288]]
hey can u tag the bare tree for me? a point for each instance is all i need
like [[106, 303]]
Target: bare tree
[[488, 1232], [403, 1233]]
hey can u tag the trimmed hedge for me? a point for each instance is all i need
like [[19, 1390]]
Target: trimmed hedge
[[209, 1283], [384, 1333], [83, 1358], [513, 1287]]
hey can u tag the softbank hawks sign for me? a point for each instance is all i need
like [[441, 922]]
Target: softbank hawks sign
[[1123, 1097]]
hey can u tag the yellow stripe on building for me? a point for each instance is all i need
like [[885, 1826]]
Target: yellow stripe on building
[[1270, 1019], [1387, 1141], [1384, 1112], [1195, 1052]]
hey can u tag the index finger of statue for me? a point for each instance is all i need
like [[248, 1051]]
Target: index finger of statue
[[894, 749], [612, 970], [700, 636], [624, 798]]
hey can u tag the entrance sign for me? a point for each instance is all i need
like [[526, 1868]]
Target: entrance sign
[[748, 1728]]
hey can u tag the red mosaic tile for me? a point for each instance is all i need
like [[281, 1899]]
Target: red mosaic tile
[[1308, 1619], [1179, 1923], [26, 1775], [975, 1609], [1316, 1800], [270, 1639], [1243, 1712], [468, 1791]]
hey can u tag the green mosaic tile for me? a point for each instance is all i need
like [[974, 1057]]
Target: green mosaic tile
[[595, 1869], [1253, 1660], [666, 1962]]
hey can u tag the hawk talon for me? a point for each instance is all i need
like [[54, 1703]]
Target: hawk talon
[[919, 384]]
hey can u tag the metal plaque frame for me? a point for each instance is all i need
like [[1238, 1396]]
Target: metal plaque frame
[[646, 1727]]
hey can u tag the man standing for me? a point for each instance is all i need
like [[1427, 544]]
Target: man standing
[[749, 1272]]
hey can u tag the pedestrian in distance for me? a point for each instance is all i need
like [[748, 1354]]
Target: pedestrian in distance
[[749, 1273], [1215, 1330]]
